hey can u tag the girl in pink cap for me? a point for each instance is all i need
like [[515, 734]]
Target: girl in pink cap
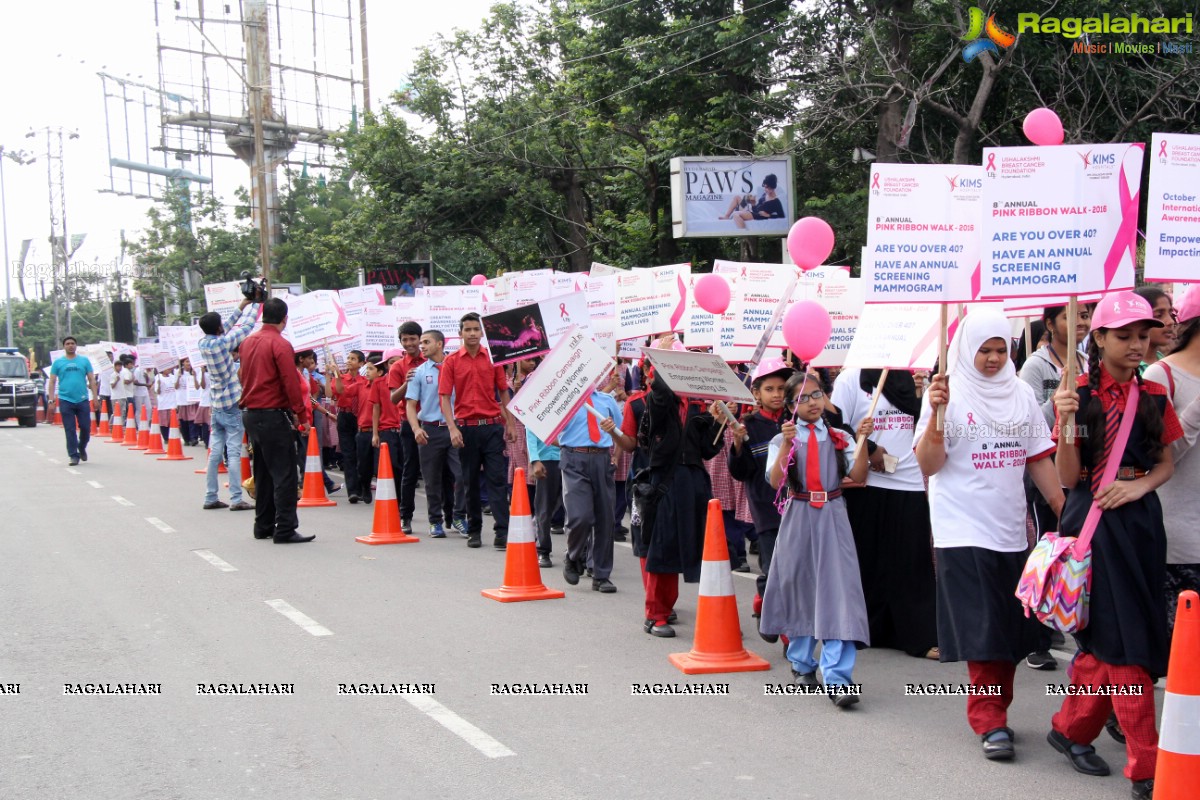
[[1124, 644]]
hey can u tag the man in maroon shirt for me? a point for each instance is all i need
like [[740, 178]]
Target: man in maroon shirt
[[409, 457], [271, 399], [475, 422], [347, 419]]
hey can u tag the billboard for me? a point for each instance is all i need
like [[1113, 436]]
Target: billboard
[[731, 196], [400, 280]]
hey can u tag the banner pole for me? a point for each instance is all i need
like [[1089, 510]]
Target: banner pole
[[1029, 344], [874, 402], [1072, 361], [943, 356]]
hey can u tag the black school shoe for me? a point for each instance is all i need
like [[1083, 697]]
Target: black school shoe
[[1082, 756], [998, 744], [1143, 790]]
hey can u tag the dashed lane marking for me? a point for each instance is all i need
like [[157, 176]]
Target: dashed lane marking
[[95, 484], [158, 523], [220, 564], [303, 620], [458, 726], [122, 500]]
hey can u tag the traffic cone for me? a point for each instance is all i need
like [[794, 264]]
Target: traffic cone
[[221, 468], [385, 528], [155, 436], [175, 442], [118, 427], [522, 577], [103, 430], [57, 416], [143, 432], [314, 488], [718, 643], [131, 431], [247, 470], [1178, 772]]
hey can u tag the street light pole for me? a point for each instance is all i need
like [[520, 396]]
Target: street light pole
[[7, 265]]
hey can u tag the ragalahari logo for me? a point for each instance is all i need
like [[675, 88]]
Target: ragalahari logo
[[984, 35]]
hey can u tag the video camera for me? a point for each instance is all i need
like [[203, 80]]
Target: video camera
[[253, 290]]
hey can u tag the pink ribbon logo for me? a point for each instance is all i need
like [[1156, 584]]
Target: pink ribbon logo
[[875, 182], [1126, 238], [1162, 149], [562, 309], [991, 165], [970, 418]]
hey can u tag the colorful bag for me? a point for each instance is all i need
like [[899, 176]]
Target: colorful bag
[[1057, 578]]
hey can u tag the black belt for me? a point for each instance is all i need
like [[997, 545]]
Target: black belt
[[588, 450], [1123, 473], [472, 423], [267, 409], [817, 497], [438, 424]]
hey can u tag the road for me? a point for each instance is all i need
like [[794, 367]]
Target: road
[[114, 575]]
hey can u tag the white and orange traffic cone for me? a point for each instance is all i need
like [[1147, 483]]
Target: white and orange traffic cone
[[314, 487], [522, 577], [717, 646], [1177, 775], [143, 432], [385, 528], [117, 435], [155, 437], [103, 430], [57, 416], [245, 461], [175, 442], [221, 468], [131, 431]]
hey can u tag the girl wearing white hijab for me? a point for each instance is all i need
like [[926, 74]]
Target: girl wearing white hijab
[[994, 431]]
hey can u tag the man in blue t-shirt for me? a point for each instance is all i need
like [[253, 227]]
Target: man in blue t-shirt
[[73, 377]]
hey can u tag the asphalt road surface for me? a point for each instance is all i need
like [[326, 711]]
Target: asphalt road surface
[[113, 575]]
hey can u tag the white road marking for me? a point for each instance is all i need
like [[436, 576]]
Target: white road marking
[[29, 446], [158, 523], [303, 620], [122, 500], [458, 726], [208, 556], [95, 484], [74, 471], [54, 461]]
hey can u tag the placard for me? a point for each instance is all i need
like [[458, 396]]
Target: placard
[[896, 336], [223, 297], [702, 375], [923, 233], [558, 388], [531, 330], [651, 301], [1173, 209], [98, 354], [601, 292], [842, 297], [315, 318], [1060, 220], [446, 306], [377, 328]]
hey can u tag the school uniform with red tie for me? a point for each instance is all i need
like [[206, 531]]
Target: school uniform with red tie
[[589, 490]]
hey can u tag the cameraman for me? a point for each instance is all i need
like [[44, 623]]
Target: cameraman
[[271, 398], [225, 439]]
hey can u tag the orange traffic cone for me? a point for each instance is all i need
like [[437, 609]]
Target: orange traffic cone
[[143, 432], [314, 488], [57, 416], [246, 468], [131, 430], [522, 578], [155, 436], [103, 430], [175, 442], [1178, 772], [221, 468], [385, 528], [118, 426], [718, 643]]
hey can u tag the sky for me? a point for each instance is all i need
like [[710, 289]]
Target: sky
[[50, 53]]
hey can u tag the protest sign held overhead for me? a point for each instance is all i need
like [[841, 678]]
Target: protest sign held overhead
[[651, 301], [223, 297], [896, 336], [558, 388], [923, 233], [530, 330], [1173, 209], [315, 318], [702, 375], [1059, 220]]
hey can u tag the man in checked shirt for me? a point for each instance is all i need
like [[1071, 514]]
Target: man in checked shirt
[[225, 437]]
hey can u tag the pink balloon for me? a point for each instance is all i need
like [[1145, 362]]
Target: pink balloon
[[712, 294], [809, 242], [478, 280], [806, 329], [1043, 127]]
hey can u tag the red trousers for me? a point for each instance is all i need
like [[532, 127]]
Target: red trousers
[[662, 590], [988, 712], [1082, 717]]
